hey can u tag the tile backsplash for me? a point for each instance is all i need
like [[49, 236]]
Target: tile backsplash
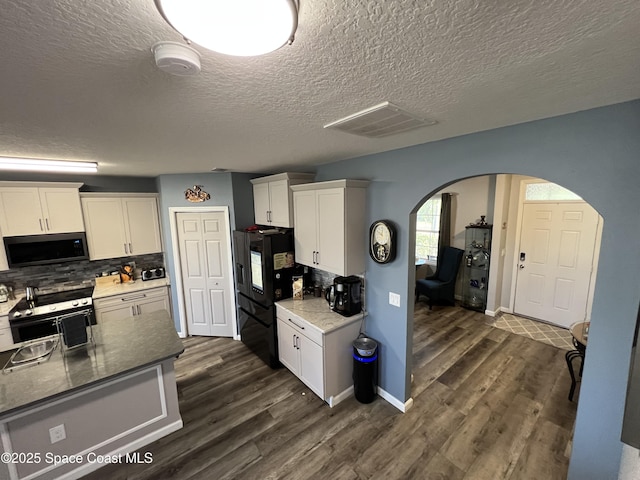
[[61, 276]]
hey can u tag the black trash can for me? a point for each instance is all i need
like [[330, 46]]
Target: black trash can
[[365, 369]]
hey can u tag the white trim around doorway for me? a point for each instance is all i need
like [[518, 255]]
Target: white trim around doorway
[[173, 212]]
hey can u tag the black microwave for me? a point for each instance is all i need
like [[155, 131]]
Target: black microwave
[[45, 249]]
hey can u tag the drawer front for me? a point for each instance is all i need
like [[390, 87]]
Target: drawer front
[[300, 325], [4, 322]]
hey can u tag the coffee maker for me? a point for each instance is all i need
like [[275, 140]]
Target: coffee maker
[[344, 295]]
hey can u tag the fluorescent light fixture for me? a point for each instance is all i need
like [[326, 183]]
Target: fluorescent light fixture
[[233, 27], [38, 165]]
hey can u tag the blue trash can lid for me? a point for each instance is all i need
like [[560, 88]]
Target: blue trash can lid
[[365, 346]]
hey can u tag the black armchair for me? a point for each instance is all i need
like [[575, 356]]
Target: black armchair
[[440, 287]]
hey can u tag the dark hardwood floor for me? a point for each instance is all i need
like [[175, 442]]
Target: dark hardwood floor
[[488, 404]]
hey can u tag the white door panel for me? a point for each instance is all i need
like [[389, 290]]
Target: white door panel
[[214, 259], [558, 242], [206, 273]]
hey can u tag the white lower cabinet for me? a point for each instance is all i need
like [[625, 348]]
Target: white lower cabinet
[[321, 358], [302, 356], [132, 304]]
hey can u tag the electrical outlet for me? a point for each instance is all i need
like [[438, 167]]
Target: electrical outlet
[[394, 299], [57, 433]]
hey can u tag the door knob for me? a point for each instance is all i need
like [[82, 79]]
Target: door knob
[[521, 266]]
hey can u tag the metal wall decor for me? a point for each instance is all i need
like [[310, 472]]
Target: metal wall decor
[[196, 194]]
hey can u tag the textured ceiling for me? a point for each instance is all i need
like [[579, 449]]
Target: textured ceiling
[[78, 79]]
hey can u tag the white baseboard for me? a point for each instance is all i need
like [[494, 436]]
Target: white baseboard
[[86, 468], [500, 310], [336, 399], [402, 406]]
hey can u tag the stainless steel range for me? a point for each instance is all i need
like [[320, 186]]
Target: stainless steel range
[[37, 318]]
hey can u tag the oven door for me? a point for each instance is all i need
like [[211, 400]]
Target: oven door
[[24, 330], [258, 330]]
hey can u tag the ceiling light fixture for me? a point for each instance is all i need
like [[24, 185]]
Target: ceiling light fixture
[[233, 27], [39, 165]]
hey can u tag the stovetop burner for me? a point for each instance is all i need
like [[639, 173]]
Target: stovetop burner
[[52, 304]]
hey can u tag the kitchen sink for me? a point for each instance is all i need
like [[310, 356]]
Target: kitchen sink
[[32, 353]]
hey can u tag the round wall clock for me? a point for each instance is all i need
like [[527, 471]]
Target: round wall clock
[[382, 241]]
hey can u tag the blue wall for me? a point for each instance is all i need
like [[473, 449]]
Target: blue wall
[[220, 186], [596, 154]]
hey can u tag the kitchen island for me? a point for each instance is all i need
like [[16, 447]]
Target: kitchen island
[[94, 404]]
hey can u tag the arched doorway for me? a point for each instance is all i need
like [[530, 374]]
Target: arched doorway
[[472, 371]]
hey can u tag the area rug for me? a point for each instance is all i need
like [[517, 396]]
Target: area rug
[[540, 331]]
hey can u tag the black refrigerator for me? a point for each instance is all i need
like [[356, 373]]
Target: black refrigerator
[[265, 266]]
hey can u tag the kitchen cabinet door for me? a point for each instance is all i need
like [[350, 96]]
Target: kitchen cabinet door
[[280, 204], [20, 211], [35, 211], [61, 210], [311, 365], [287, 347], [104, 220], [114, 312], [305, 233], [330, 254], [120, 226], [142, 225], [261, 203], [154, 303], [330, 231]]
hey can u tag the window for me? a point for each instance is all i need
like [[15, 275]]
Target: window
[[428, 230], [548, 191]]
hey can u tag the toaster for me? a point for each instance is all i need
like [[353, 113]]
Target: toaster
[[152, 273]]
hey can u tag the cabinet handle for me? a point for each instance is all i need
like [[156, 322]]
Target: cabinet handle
[[139, 311], [317, 258], [46, 221], [133, 297], [299, 326], [293, 337], [41, 229], [133, 311], [130, 249], [125, 248]]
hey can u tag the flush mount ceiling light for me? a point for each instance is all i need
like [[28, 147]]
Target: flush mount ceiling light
[[233, 27], [38, 165]]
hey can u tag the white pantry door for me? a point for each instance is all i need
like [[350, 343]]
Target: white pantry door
[[203, 245], [555, 264]]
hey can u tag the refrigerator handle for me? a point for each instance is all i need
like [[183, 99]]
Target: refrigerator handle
[[240, 273]]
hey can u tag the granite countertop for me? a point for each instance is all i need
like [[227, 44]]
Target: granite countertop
[[111, 290], [122, 346], [316, 311]]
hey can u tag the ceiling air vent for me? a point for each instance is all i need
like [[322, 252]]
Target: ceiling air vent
[[379, 121]]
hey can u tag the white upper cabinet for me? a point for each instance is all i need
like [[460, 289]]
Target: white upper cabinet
[[330, 232], [121, 225], [273, 199], [28, 208]]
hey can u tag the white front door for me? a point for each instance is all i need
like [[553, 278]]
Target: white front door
[[203, 240], [556, 258]]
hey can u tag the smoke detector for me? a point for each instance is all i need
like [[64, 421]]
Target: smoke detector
[[176, 58]]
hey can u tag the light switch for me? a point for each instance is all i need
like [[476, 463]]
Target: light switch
[[394, 299]]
